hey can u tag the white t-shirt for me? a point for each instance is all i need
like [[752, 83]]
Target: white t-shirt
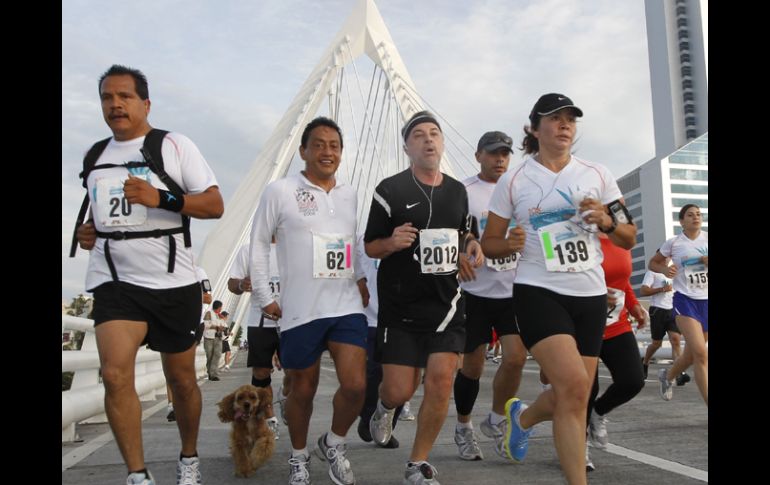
[[209, 329], [200, 275], [489, 282], [686, 253], [306, 222], [369, 268], [656, 280], [536, 198], [240, 270], [144, 262]]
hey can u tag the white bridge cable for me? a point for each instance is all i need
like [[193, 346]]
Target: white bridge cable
[[456, 163], [377, 150], [379, 172], [353, 121], [376, 153], [367, 123], [470, 145], [337, 91]]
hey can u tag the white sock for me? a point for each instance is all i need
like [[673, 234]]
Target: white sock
[[332, 440], [518, 420], [170, 407], [495, 418], [382, 408], [468, 425], [297, 453]]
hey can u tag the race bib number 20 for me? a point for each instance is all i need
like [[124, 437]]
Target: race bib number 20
[[332, 255], [112, 208]]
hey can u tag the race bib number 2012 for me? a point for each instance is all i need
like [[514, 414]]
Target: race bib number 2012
[[438, 251]]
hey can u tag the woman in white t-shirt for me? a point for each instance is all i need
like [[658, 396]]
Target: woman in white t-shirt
[[689, 252], [560, 297]]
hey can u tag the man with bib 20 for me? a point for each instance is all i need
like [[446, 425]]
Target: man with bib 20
[[141, 265], [313, 218], [419, 227]]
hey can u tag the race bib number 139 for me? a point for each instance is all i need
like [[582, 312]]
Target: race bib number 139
[[566, 247]]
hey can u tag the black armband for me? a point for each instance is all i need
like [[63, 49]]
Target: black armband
[[619, 213], [170, 202]]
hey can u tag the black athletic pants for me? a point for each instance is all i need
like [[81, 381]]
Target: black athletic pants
[[621, 356]]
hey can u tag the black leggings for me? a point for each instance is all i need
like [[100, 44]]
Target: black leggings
[[621, 356], [373, 380]]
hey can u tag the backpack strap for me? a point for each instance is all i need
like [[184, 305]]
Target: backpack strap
[[151, 151], [89, 161]]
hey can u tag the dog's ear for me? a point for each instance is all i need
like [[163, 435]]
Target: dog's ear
[[226, 409], [264, 402]]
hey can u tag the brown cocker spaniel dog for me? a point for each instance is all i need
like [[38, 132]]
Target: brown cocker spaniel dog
[[251, 441]]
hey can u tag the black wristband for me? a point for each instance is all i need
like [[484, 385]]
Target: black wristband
[[612, 227], [170, 202]]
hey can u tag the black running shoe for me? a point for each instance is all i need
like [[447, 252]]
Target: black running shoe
[[682, 379]]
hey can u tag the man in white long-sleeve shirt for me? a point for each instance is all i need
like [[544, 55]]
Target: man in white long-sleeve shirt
[[313, 218]]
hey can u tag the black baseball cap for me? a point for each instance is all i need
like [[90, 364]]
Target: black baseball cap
[[551, 102], [492, 140]]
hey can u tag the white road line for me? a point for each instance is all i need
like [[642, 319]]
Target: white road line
[[82, 452], [670, 466]]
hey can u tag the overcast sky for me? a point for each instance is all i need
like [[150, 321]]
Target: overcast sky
[[223, 73]]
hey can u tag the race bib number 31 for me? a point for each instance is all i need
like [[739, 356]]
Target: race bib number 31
[[566, 248], [332, 255], [112, 208], [438, 251]]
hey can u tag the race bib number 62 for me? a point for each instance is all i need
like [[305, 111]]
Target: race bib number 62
[[332, 255]]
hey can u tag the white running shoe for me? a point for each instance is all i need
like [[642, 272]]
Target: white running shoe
[[140, 479], [496, 432], [420, 473], [188, 471], [666, 386], [589, 464], [272, 423], [597, 431], [298, 470], [467, 445], [381, 425], [339, 467], [406, 413]]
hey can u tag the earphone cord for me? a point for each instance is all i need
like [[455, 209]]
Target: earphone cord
[[430, 199]]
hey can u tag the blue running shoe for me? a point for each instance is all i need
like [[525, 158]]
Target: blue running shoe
[[516, 439]]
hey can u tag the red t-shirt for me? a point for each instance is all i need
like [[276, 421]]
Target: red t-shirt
[[617, 271]]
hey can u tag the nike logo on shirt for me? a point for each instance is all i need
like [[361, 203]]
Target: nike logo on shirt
[[409, 206]]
